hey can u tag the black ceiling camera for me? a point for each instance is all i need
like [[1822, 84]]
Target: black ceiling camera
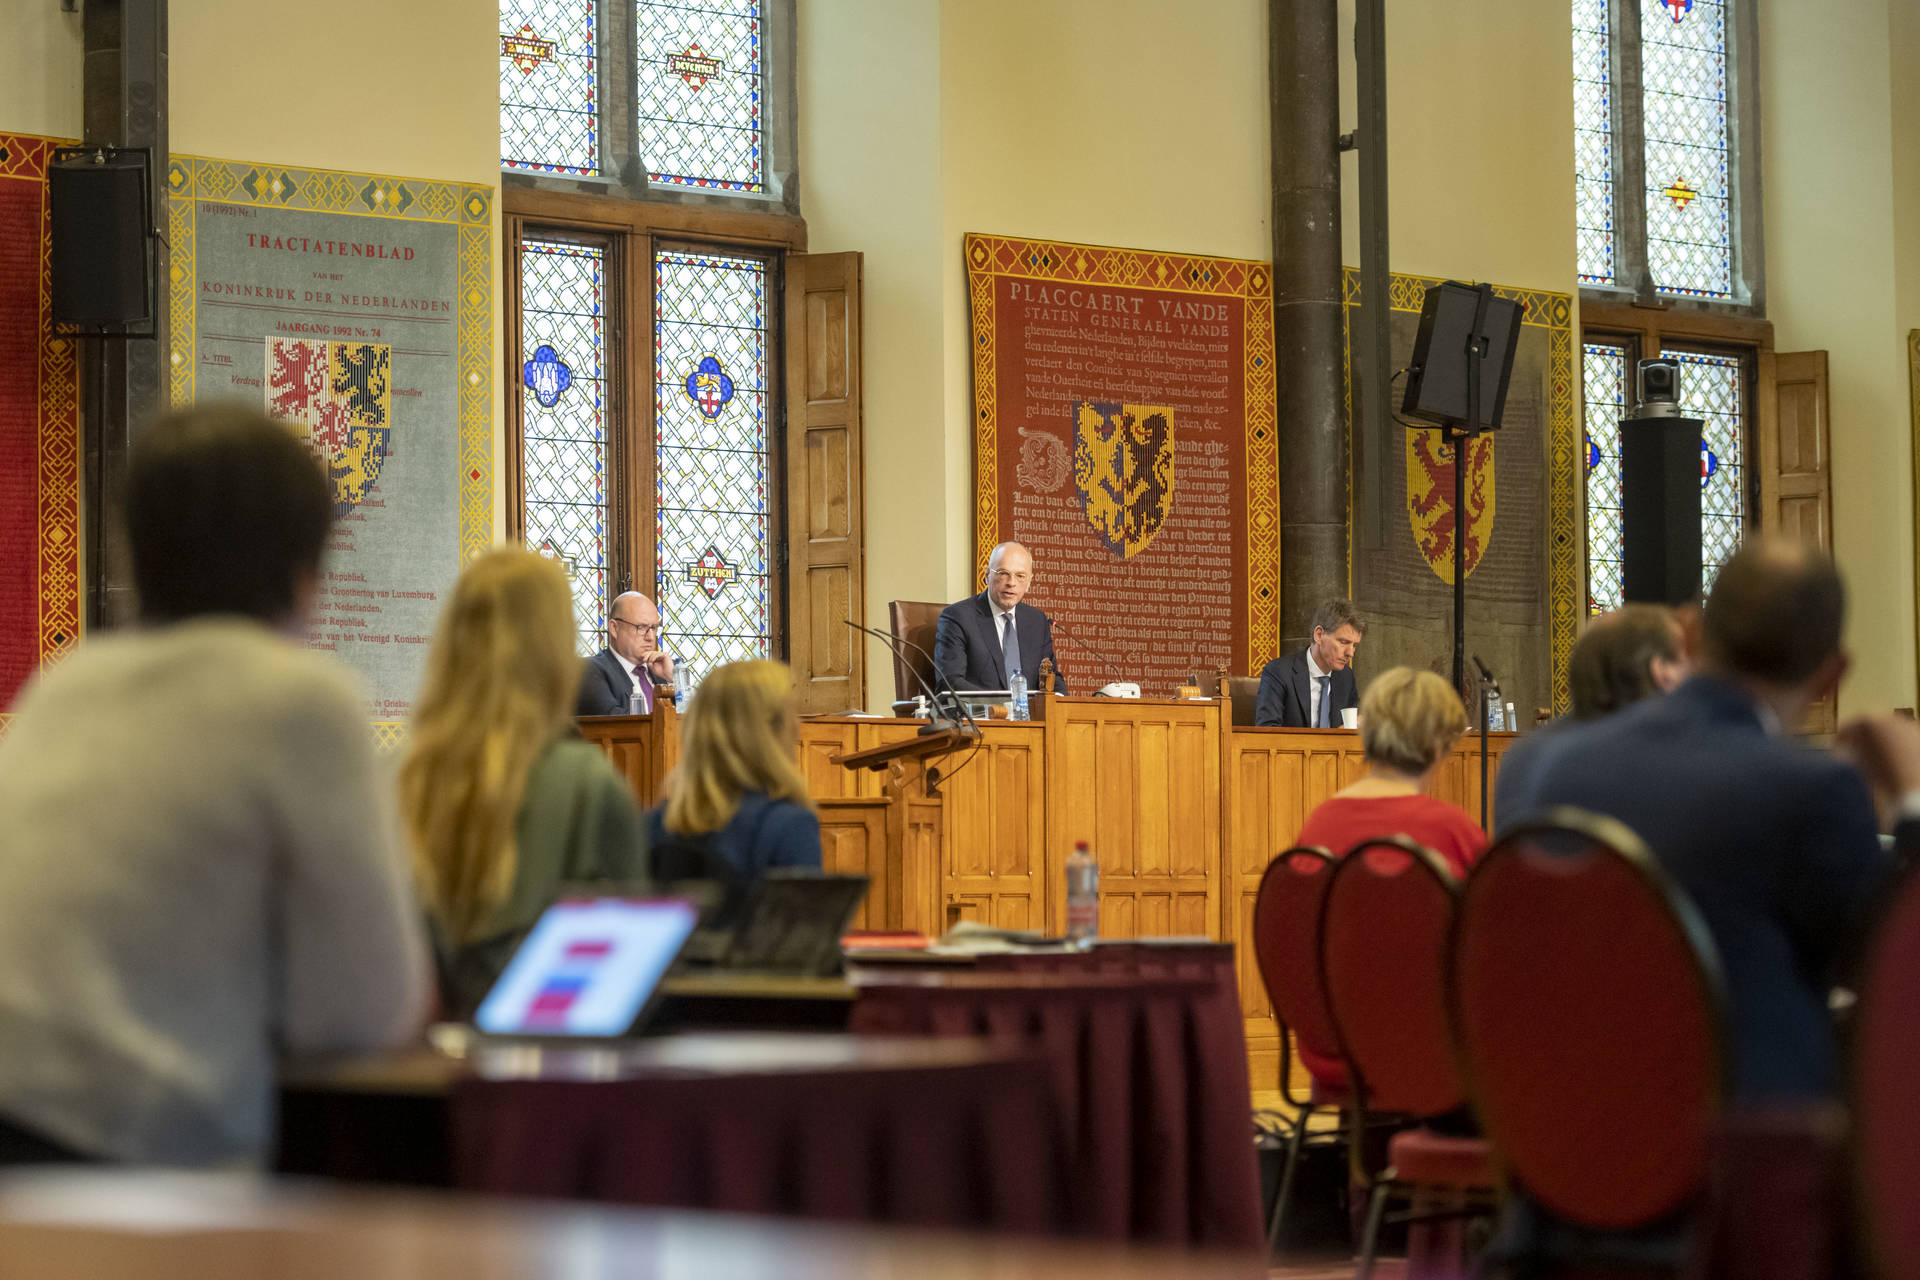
[[1659, 382]]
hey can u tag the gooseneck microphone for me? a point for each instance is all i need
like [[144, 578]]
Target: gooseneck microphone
[[939, 712]]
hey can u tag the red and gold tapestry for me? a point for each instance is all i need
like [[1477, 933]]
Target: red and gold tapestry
[[39, 433], [1124, 431]]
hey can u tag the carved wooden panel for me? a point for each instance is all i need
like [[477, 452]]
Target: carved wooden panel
[[853, 841], [996, 830], [642, 749]]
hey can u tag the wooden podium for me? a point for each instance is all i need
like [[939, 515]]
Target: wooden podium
[[643, 749], [897, 839]]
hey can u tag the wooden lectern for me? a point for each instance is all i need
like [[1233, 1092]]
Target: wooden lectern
[[903, 867], [643, 749]]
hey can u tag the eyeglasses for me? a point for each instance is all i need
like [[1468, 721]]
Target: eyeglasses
[[642, 627]]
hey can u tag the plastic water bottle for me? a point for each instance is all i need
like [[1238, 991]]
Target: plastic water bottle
[[635, 706], [1083, 895], [1496, 722], [1017, 686]]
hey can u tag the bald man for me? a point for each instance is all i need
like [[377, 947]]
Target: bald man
[[984, 639], [633, 649]]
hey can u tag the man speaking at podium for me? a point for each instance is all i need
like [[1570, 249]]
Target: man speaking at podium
[[1309, 689], [983, 640]]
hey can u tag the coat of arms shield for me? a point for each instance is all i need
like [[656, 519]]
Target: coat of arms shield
[[336, 394], [1123, 467], [1430, 463]]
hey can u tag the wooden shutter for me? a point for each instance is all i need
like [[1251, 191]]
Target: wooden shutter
[[826, 524], [1796, 473]]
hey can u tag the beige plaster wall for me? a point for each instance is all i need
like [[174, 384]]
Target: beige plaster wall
[[40, 92], [1827, 144]]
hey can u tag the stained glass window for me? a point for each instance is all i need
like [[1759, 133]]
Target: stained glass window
[[698, 68], [1683, 51], [1605, 377], [563, 419], [1712, 389], [713, 526], [1593, 139], [549, 86]]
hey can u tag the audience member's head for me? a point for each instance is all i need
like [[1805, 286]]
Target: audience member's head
[[1408, 720], [1626, 655], [501, 677], [1773, 623], [739, 734], [227, 512]]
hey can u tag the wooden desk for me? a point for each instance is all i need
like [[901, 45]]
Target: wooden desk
[[112, 1225]]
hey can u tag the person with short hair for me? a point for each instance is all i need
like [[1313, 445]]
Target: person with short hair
[[1775, 844], [1408, 723], [1309, 689], [632, 662], [1638, 651], [738, 795], [504, 807], [200, 869], [980, 642]]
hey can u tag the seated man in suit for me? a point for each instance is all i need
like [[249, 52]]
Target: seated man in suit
[[1309, 689], [1775, 843], [633, 647], [984, 639]]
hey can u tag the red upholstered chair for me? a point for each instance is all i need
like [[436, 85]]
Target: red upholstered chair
[[1886, 1080], [1589, 1015], [1286, 941], [1384, 929]]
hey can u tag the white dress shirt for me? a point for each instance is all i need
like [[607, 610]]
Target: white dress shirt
[[1314, 675], [641, 679]]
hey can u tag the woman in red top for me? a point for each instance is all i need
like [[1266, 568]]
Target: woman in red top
[[1408, 722]]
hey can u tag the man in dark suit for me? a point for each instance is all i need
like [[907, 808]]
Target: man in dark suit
[[1309, 689], [1776, 844], [633, 651], [982, 640]]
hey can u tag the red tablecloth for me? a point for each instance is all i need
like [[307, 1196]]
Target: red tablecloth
[[824, 1127], [1147, 1046]]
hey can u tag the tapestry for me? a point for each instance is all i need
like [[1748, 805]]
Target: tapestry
[[39, 433], [1521, 528], [357, 308], [1124, 431]]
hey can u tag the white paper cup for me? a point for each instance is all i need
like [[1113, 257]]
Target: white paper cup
[[1349, 717]]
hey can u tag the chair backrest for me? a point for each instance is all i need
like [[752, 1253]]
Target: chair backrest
[[1243, 696], [916, 621], [1286, 941], [1383, 956], [1886, 1079], [1589, 1014]]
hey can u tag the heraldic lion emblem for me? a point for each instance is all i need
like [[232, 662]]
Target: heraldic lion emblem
[[1123, 467], [1430, 461], [337, 396]]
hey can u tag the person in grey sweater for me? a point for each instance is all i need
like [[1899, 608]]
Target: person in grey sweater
[[200, 866]]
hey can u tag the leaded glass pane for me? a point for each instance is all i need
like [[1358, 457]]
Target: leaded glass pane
[[1684, 76], [1593, 140], [700, 93], [563, 419], [713, 526], [549, 86], [1604, 374], [1712, 389]]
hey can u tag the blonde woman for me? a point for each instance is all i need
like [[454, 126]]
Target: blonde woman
[[739, 795], [1408, 722], [502, 805]]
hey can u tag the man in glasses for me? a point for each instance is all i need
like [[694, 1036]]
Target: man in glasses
[[632, 663]]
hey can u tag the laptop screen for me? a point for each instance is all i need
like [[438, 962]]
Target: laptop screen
[[588, 967]]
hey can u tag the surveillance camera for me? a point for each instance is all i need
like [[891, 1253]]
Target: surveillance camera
[[1659, 388]]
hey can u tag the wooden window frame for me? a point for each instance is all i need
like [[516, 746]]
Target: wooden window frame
[[632, 229]]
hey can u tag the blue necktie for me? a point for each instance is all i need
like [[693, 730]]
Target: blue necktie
[[1010, 647], [1325, 719]]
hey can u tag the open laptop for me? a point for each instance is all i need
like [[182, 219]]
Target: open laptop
[[590, 968]]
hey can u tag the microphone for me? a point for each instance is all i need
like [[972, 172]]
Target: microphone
[[1120, 686], [938, 715], [1485, 674]]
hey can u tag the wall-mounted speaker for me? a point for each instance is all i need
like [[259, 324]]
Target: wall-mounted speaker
[[1660, 509], [102, 245], [1437, 375]]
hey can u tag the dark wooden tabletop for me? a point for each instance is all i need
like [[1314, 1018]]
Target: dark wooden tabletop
[[183, 1226]]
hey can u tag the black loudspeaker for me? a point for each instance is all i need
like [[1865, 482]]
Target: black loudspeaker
[[102, 254], [1437, 376], [1660, 509]]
